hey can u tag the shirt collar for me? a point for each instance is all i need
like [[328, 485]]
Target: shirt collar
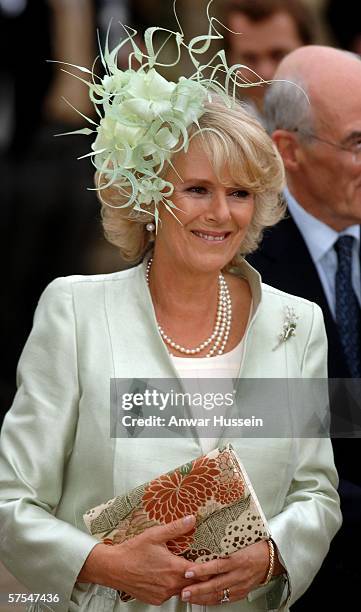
[[318, 236]]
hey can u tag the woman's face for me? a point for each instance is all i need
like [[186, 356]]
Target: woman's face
[[214, 217]]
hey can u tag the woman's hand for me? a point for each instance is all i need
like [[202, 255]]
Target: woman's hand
[[241, 572], [142, 566]]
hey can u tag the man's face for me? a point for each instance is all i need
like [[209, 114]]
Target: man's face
[[328, 181], [261, 46]]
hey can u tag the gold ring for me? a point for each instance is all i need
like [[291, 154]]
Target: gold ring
[[225, 598]]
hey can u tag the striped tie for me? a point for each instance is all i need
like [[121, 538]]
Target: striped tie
[[348, 315]]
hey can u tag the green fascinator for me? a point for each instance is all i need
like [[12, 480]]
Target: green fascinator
[[144, 118]]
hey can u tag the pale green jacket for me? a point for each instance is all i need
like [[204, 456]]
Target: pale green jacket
[[57, 459]]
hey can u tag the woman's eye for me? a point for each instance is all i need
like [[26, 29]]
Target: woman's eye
[[241, 193], [197, 189]]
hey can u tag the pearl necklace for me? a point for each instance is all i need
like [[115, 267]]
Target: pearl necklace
[[218, 339]]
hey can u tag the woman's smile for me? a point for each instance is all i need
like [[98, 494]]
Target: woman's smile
[[211, 237]]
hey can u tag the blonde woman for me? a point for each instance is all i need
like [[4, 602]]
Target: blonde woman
[[192, 299]]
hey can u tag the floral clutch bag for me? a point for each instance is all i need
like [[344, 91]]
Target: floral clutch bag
[[215, 488]]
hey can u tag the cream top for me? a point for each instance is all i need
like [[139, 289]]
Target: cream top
[[224, 367], [220, 366], [201, 370]]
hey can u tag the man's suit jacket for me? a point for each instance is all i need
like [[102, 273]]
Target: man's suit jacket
[[57, 459], [284, 261]]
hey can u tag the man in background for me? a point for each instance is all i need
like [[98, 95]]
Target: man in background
[[315, 121], [268, 31]]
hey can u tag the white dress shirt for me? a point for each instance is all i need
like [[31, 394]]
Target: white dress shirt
[[320, 239]]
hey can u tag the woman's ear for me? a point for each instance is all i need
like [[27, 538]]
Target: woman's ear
[[288, 147]]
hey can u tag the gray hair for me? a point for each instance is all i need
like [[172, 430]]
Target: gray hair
[[287, 107]]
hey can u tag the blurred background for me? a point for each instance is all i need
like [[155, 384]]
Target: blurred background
[[50, 222]]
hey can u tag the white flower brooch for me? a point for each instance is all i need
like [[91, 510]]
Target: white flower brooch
[[289, 326]]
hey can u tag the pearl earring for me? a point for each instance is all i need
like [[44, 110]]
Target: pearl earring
[[150, 227]]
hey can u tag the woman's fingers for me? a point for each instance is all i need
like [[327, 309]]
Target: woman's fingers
[[230, 595], [163, 533], [144, 567], [255, 556], [217, 584], [210, 568], [239, 573]]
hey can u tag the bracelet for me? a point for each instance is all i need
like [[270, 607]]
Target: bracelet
[[271, 549]]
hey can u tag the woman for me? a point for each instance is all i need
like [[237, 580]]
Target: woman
[[152, 321]]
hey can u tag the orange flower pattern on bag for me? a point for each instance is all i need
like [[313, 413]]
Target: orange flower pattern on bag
[[181, 492]]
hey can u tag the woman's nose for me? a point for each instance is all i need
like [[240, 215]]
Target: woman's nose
[[219, 208]]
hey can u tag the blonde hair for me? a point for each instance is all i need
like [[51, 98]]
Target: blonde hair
[[233, 139]]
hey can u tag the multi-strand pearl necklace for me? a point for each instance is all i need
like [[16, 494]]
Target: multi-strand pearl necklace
[[218, 339]]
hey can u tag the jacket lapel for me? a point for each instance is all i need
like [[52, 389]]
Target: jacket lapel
[[140, 357]]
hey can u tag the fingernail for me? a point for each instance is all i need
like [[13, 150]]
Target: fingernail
[[188, 519], [186, 595], [189, 574]]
